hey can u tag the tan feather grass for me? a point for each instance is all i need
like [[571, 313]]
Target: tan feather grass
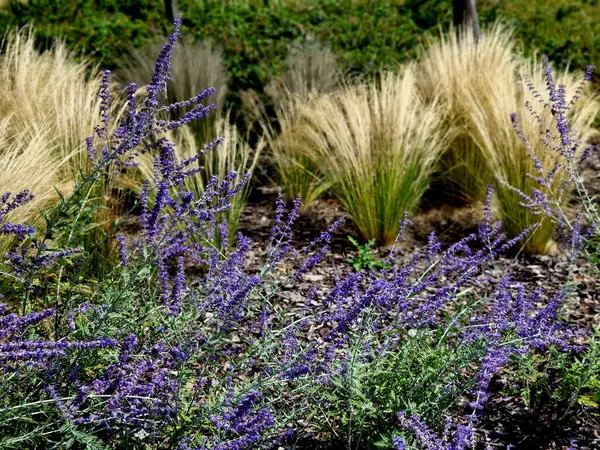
[[50, 104], [456, 69], [30, 161], [481, 85], [508, 156], [378, 144], [53, 90], [311, 70]]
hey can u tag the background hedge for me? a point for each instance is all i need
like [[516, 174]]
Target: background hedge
[[366, 35]]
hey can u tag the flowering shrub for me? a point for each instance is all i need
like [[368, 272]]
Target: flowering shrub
[[148, 355]]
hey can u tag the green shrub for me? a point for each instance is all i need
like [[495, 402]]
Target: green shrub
[[365, 35], [255, 36], [568, 31], [101, 30], [419, 373]]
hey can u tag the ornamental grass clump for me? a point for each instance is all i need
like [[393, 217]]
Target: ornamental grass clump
[[50, 91], [563, 138], [377, 143], [21, 158], [310, 68], [457, 71], [311, 71], [559, 141], [481, 84], [51, 104], [519, 158]]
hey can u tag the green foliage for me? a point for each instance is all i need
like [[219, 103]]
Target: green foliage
[[560, 380], [82, 220], [365, 35], [365, 259], [255, 36], [102, 30], [89, 220], [593, 249], [568, 31], [418, 373]]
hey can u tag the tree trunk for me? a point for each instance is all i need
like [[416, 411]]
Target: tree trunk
[[171, 8], [465, 14]]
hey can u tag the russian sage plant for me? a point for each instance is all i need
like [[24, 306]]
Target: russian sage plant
[[98, 362]]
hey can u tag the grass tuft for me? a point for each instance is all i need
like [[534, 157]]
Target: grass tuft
[[378, 144], [480, 85], [49, 105], [311, 71], [457, 70], [49, 90], [509, 156]]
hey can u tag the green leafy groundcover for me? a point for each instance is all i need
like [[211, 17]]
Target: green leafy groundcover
[[367, 35]]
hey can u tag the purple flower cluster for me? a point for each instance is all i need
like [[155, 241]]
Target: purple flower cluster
[[244, 422], [140, 390], [394, 300], [16, 350], [547, 199], [6, 206], [511, 325]]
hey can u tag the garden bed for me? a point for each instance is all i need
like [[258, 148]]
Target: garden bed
[[162, 329], [507, 419]]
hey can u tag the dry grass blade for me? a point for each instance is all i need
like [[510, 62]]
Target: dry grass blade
[[30, 160], [49, 90], [51, 104], [311, 71]]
